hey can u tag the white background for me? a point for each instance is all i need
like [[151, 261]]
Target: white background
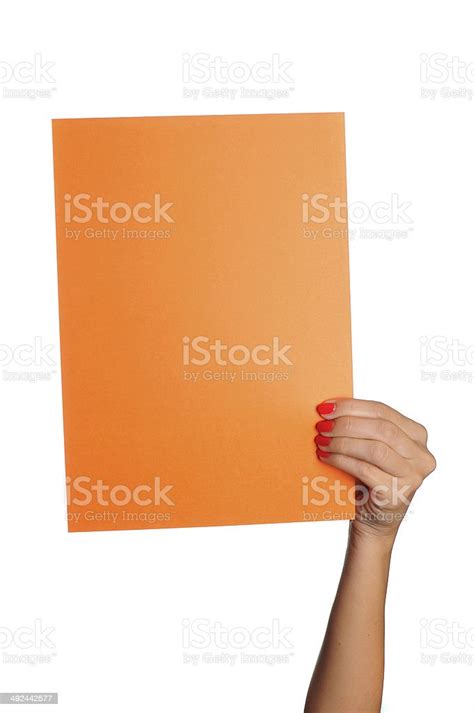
[[116, 601]]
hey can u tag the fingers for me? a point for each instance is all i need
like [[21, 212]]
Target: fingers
[[371, 440], [374, 452], [335, 408], [368, 474], [387, 433]]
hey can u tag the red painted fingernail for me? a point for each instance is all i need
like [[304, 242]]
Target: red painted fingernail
[[322, 454], [326, 407], [324, 426], [322, 440]]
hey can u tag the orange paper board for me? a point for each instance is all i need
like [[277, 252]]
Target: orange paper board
[[204, 311]]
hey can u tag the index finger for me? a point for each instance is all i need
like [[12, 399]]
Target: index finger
[[332, 408]]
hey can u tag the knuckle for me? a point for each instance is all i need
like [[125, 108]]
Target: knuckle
[[348, 404], [380, 409], [422, 432], [386, 429], [348, 424], [365, 470], [343, 445], [378, 452], [430, 463]]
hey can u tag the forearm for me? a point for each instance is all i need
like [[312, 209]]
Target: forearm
[[348, 677]]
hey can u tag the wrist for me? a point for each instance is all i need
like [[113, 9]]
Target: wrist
[[368, 539]]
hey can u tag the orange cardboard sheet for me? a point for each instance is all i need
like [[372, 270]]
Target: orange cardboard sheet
[[204, 311]]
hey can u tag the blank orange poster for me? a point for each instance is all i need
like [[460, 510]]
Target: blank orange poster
[[204, 312]]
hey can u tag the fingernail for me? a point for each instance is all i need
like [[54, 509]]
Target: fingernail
[[326, 407], [322, 440], [324, 426], [322, 454]]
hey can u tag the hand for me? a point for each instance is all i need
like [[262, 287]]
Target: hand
[[384, 450]]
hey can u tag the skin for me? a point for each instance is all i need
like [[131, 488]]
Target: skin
[[387, 453]]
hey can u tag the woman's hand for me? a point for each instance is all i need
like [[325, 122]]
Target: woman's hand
[[384, 450], [387, 453]]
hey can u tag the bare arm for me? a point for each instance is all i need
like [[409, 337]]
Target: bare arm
[[349, 673], [390, 462]]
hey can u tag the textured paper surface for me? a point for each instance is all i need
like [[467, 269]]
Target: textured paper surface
[[210, 228]]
